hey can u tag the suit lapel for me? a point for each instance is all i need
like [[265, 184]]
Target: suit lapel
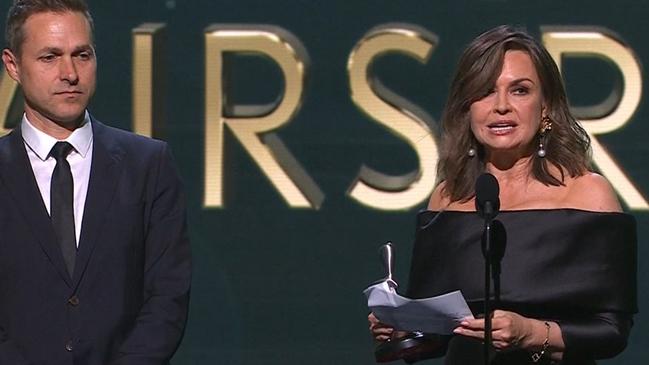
[[17, 174], [104, 174]]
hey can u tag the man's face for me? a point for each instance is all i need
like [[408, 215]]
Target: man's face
[[56, 68]]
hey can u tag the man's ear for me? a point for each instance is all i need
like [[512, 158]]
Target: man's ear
[[11, 64]]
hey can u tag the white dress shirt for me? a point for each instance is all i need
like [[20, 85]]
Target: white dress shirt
[[38, 146]]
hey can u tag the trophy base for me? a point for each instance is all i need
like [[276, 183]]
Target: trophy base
[[413, 347]]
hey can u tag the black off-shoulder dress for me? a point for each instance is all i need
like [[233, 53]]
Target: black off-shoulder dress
[[575, 267]]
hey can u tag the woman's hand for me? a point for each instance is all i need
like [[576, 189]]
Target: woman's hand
[[380, 331], [509, 331]]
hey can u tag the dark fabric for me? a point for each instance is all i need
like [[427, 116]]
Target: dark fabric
[[575, 267], [127, 301], [467, 351], [62, 203]]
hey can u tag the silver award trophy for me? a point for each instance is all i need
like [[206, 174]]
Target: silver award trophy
[[387, 258], [408, 346]]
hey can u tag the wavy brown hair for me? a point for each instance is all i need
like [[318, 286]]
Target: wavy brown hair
[[567, 145]]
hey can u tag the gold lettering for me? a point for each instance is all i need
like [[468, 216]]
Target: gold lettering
[[617, 109], [11, 108], [395, 113], [148, 80], [248, 122]]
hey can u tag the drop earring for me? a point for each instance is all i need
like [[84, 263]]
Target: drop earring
[[472, 152], [546, 126], [541, 151]]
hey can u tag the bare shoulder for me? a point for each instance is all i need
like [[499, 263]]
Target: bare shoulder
[[438, 200], [593, 192]]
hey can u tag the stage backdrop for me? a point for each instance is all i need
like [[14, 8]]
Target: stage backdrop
[[305, 132]]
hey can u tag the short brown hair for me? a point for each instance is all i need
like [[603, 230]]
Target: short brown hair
[[23, 9], [567, 145]]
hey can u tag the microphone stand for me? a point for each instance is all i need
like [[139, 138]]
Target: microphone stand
[[494, 239], [486, 252], [487, 206], [498, 241]]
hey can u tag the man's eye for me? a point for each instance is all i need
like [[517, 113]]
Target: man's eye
[[48, 58], [85, 56]]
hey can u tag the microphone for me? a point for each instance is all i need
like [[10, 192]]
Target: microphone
[[487, 202]]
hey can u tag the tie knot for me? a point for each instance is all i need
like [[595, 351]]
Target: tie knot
[[60, 150]]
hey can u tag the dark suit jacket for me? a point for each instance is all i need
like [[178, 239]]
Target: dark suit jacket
[[127, 300]]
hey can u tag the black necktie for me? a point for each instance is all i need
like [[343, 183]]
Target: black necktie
[[61, 199]]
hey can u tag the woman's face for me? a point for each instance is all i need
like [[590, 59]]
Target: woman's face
[[508, 117]]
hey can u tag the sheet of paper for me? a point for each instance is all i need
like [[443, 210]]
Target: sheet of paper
[[439, 315]]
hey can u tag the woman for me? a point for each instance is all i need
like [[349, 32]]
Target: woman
[[568, 275]]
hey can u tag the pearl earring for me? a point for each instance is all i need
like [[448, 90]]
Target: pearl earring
[[546, 126], [541, 151]]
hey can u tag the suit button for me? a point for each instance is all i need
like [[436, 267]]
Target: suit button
[[68, 346], [73, 301]]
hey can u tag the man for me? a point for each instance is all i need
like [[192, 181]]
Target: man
[[94, 256]]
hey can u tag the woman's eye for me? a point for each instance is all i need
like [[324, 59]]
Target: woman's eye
[[520, 91]]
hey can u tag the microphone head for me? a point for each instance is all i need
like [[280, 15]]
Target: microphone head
[[487, 191]]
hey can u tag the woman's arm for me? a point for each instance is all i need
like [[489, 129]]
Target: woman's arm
[[601, 336], [513, 331]]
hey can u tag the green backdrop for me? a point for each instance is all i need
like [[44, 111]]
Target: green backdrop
[[275, 285]]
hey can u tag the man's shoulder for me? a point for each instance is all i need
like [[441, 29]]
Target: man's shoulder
[[4, 139], [125, 139], [7, 141]]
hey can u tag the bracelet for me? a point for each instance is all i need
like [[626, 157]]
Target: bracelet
[[536, 356]]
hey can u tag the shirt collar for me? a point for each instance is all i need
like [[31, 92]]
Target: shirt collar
[[42, 143]]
